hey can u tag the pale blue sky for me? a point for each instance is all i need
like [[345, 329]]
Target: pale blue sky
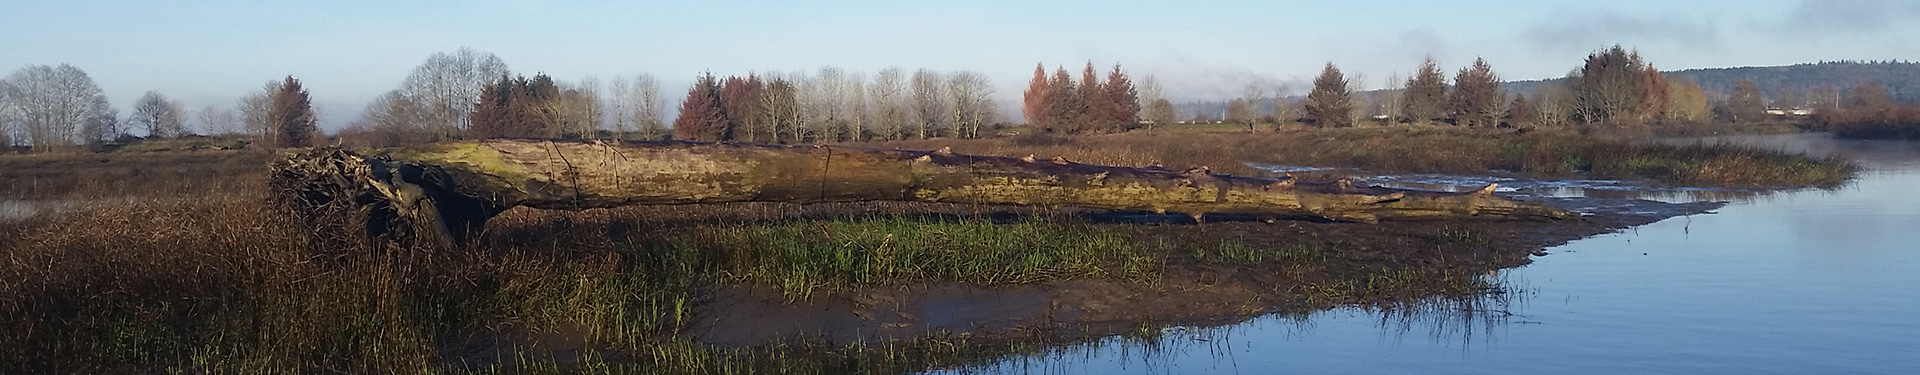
[[211, 52]]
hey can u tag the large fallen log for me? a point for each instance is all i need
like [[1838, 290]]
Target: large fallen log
[[455, 187]]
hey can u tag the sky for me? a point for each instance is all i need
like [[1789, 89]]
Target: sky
[[210, 53]]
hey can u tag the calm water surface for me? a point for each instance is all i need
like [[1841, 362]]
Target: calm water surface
[[1806, 282]]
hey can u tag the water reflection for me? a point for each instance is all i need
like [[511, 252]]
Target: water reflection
[[1459, 321], [1811, 281], [15, 209]]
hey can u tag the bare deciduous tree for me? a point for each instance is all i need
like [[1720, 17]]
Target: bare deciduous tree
[[158, 116], [255, 109], [57, 106], [218, 121], [780, 110], [1154, 106], [928, 89], [971, 102], [1249, 111], [390, 118], [889, 103], [448, 85], [1686, 103], [1390, 102], [1746, 104]]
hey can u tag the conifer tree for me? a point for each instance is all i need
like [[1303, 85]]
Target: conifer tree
[[1064, 100], [1037, 106], [702, 116], [1520, 113], [1477, 98], [1123, 109], [292, 114], [1426, 93], [1093, 117], [1330, 104]]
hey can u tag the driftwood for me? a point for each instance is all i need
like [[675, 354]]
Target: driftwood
[[454, 187]]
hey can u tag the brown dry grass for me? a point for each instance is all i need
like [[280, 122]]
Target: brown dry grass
[[1549, 154]]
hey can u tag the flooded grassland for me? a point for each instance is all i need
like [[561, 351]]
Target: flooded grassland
[[189, 272]]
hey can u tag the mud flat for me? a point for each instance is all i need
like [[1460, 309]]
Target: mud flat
[[1329, 264]]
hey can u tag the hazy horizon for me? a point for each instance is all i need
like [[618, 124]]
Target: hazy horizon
[[347, 52]]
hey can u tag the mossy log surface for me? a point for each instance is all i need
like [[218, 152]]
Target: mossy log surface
[[468, 178]]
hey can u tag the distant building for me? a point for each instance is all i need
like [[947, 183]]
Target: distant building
[[1789, 111]]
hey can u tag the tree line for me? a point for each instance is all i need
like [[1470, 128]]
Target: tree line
[[1613, 86], [833, 105], [1087, 106], [467, 94], [50, 107]]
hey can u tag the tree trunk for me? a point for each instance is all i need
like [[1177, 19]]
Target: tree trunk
[[458, 185]]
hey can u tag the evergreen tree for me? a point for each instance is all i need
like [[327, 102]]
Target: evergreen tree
[[1477, 97], [1093, 117], [740, 100], [702, 116], [292, 114], [1037, 106], [1330, 104], [1065, 102], [1520, 113], [1426, 93], [1124, 102]]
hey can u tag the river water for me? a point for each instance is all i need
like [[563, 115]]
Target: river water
[[1801, 282]]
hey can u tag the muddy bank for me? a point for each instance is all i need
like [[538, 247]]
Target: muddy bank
[[1326, 265]]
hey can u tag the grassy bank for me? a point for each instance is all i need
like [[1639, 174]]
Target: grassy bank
[[1548, 154], [1896, 123], [219, 282]]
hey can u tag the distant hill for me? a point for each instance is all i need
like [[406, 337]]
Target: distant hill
[[1901, 77]]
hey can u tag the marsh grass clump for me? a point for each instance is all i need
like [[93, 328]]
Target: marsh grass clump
[[801, 257]]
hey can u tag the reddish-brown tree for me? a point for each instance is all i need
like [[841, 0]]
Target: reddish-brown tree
[[1037, 106], [516, 107], [292, 114], [494, 111], [1746, 103], [702, 116], [1869, 96], [1093, 118], [1123, 102], [1477, 97], [740, 100], [1654, 97]]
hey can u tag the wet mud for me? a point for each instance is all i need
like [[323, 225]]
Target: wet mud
[[1190, 290]]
